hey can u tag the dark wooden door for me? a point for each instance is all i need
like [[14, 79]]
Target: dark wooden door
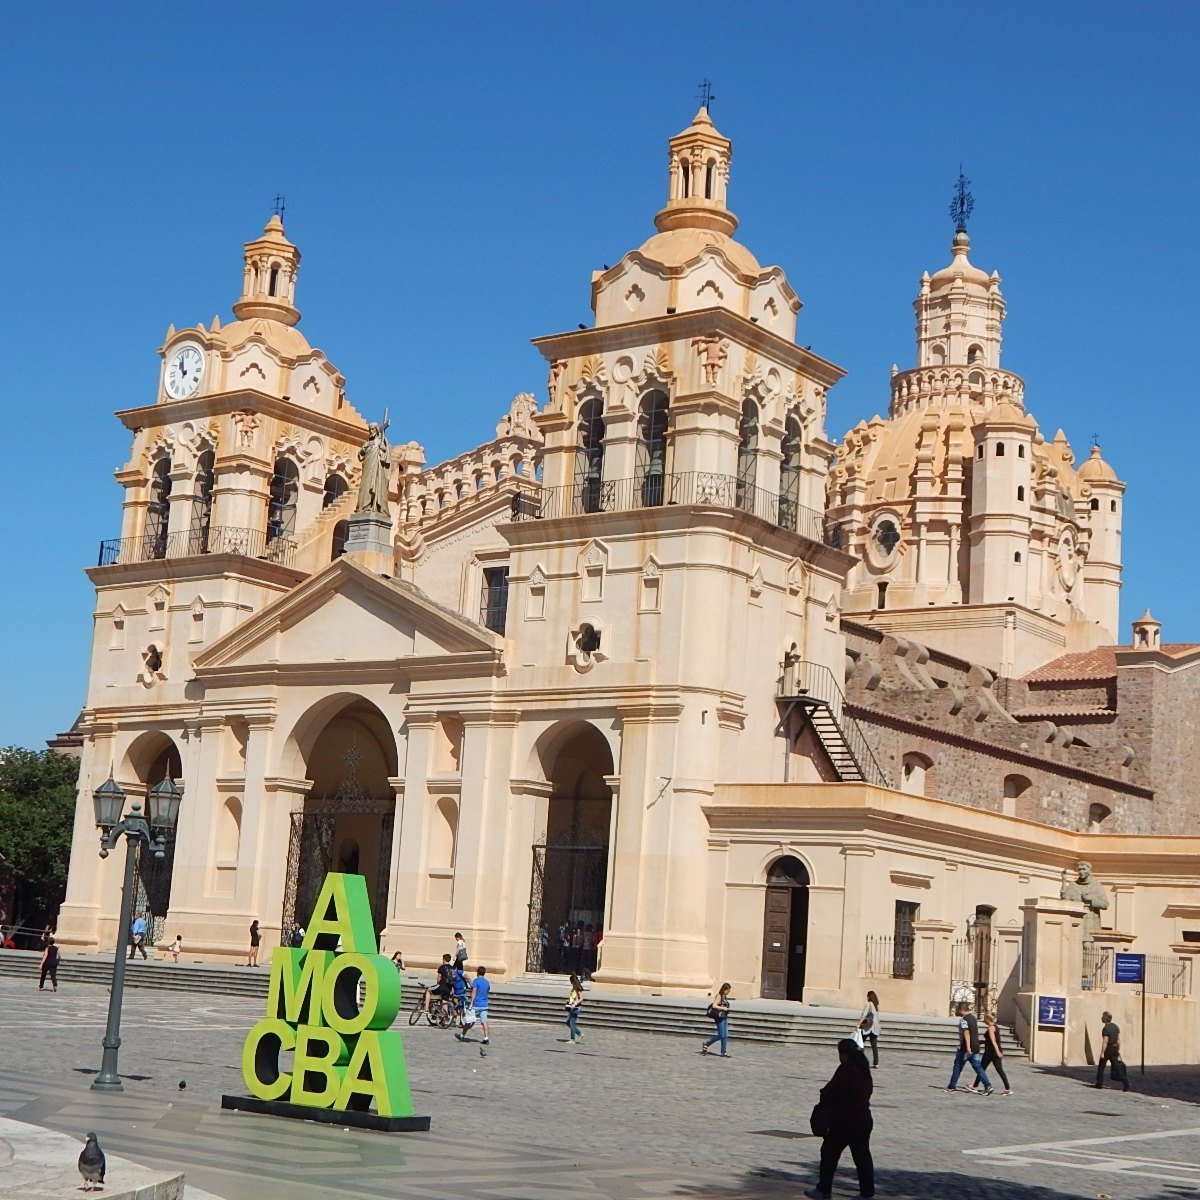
[[777, 936]]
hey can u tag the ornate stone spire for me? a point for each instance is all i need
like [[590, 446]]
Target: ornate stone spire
[[699, 181], [269, 281]]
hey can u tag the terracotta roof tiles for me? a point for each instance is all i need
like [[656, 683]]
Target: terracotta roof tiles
[[1100, 663]]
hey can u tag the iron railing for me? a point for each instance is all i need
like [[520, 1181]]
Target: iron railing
[[656, 491], [815, 680], [890, 957], [250, 543], [1097, 967], [1167, 976]]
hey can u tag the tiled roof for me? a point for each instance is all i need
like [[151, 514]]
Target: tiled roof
[[1100, 663]]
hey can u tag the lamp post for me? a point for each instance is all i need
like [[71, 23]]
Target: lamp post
[[109, 799]]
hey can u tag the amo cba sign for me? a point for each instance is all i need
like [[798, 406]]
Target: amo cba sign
[[346, 1058]]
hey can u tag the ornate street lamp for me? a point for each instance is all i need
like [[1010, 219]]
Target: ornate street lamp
[[109, 799]]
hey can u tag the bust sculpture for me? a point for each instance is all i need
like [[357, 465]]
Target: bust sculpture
[[1087, 891]]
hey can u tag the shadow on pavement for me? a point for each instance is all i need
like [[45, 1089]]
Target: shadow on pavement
[[897, 1185], [1181, 1084]]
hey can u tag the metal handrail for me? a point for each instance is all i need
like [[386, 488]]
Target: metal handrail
[[656, 491], [150, 547], [801, 678]]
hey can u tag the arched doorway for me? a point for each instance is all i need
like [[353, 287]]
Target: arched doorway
[[570, 867], [154, 759], [785, 930], [347, 819]]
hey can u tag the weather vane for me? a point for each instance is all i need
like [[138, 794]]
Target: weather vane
[[706, 93], [280, 205], [963, 204]]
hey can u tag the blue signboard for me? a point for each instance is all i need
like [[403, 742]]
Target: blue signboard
[[1052, 1011], [1129, 968]]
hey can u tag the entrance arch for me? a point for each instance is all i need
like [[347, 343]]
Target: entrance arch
[[347, 819], [568, 888], [785, 930], [152, 758]]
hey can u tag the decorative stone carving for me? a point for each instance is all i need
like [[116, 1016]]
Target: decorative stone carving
[[245, 426], [555, 374], [518, 421], [712, 351]]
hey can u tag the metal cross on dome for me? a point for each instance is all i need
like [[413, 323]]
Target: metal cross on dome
[[280, 205], [706, 93], [963, 204]]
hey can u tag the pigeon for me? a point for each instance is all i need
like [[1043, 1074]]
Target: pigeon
[[182, 1084], [91, 1163]]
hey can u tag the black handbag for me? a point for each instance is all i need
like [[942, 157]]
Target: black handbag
[[820, 1119]]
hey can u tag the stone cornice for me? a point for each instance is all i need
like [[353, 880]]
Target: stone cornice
[[220, 404], [416, 666], [683, 326], [197, 566]]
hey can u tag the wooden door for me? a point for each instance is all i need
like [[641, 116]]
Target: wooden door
[[777, 930]]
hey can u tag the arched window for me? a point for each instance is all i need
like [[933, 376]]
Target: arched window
[[273, 286], [1020, 493], [789, 472], [443, 833], [652, 448], [1095, 504], [589, 456], [202, 499], [999, 449], [974, 354], [1015, 786], [710, 181], [685, 178], [229, 832], [341, 531], [747, 456], [1016, 556], [939, 355], [1097, 815], [913, 770], [335, 486], [158, 511], [285, 487]]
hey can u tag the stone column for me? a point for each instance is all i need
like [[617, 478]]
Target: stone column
[[1054, 943]]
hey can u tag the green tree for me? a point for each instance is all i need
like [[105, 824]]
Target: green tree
[[37, 812]]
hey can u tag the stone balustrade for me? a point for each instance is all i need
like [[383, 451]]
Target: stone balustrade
[[463, 480], [953, 387]]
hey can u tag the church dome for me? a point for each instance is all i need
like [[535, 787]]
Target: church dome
[[286, 340], [960, 267], [676, 247], [1096, 470]]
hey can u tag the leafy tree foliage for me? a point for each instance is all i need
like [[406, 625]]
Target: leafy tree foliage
[[37, 811]]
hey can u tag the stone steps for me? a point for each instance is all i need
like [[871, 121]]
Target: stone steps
[[541, 1001]]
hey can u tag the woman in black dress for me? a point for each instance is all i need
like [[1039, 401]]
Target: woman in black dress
[[846, 1105], [255, 939], [49, 964]]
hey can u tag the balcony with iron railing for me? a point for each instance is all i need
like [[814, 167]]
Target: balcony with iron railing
[[191, 543], [705, 488]]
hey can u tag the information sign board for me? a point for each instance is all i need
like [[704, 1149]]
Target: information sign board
[[1052, 1011], [1129, 968]]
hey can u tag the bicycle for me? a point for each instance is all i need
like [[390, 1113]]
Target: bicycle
[[441, 1012]]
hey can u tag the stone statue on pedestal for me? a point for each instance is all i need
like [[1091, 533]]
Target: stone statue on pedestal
[[1086, 891], [376, 471]]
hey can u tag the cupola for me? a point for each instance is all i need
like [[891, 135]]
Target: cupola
[[699, 166], [269, 279]]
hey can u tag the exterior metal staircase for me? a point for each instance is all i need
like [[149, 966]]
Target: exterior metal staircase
[[811, 689]]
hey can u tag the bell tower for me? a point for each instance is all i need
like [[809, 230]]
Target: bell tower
[[269, 278], [699, 158]]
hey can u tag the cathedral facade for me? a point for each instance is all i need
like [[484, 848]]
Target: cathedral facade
[[658, 659]]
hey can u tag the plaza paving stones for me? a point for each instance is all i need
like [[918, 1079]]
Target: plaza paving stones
[[621, 1116]]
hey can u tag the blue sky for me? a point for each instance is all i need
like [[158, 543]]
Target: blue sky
[[454, 173]]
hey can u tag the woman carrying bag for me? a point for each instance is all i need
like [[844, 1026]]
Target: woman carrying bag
[[718, 1010], [868, 1024], [574, 1004], [843, 1118]]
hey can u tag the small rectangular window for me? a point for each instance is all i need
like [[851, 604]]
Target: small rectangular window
[[1020, 451], [493, 603], [979, 452], [999, 449], [904, 939]]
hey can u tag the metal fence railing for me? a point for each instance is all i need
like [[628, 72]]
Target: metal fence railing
[[251, 543], [1097, 967], [1168, 976], [657, 491], [890, 956]]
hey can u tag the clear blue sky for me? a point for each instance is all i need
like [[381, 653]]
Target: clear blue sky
[[454, 173]]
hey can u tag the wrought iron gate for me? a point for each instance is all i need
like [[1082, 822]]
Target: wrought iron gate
[[152, 888], [975, 968], [567, 888], [310, 858]]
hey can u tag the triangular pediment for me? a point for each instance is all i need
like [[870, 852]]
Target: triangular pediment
[[347, 614]]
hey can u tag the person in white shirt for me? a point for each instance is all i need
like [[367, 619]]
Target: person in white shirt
[[868, 1023]]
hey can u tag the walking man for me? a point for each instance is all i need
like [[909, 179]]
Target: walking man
[[968, 1049], [137, 936], [481, 989], [1110, 1052]]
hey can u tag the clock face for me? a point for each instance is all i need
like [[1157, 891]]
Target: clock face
[[184, 369]]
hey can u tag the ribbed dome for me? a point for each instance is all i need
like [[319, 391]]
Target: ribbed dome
[[675, 247], [287, 340], [1096, 470], [960, 267]]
